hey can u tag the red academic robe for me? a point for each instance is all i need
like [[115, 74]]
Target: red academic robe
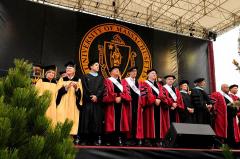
[[235, 98], [170, 101], [220, 108], [236, 120], [146, 121], [128, 103], [109, 100]]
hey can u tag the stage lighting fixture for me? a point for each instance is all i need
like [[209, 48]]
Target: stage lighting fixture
[[191, 29], [97, 4], [212, 36], [113, 3]]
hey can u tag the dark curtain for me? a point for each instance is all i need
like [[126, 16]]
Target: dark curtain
[[211, 67]]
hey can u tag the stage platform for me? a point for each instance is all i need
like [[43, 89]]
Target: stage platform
[[126, 152]]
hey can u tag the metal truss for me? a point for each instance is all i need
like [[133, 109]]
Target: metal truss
[[195, 18]]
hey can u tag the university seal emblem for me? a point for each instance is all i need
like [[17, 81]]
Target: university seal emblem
[[114, 45]]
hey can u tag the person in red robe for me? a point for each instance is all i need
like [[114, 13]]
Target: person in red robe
[[132, 83], [220, 113], [116, 100], [233, 136], [233, 90], [153, 116], [174, 99]]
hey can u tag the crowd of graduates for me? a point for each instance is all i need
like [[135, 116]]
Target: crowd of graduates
[[115, 111]]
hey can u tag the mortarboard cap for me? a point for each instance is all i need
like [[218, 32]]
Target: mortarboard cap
[[38, 65], [132, 68], [92, 62], [233, 85], [198, 80], [169, 76], [50, 67], [183, 82], [151, 70], [70, 64], [112, 68]]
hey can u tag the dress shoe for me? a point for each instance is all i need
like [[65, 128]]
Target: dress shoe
[[130, 142], [108, 143], [98, 142], [120, 142], [148, 143], [83, 143], [139, 143], [76, 141]]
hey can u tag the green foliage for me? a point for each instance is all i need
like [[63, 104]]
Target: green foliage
[[227, 152], [6, 154], [5, 130], [18, 77], [25, 132]]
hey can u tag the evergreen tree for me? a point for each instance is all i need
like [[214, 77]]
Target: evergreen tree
[[25, 132]]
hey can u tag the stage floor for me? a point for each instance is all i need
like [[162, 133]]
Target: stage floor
[[127, 152]]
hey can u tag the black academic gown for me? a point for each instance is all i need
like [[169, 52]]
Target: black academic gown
[[91, 121], [199, 100], [187, 117]]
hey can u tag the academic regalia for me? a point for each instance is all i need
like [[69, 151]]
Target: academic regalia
[[174, 114], [153, 121], [233, 134], [220, 120], [185, 116], [116, 114], [37, 73], [92, 113], [47, 85], [235, 98], [199, 100], [133, 105], [69, 102], [236, 119]]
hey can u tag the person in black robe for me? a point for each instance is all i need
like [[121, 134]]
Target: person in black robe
[[201, 102], [91, 119], [188, 115]]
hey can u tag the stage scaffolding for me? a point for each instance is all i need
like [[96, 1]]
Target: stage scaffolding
[[197, 18]]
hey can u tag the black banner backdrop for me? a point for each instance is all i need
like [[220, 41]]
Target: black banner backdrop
[[48, 35]]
